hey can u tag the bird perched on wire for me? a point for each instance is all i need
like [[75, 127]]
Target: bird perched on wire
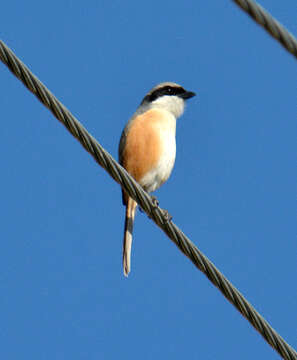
[[147, 147]]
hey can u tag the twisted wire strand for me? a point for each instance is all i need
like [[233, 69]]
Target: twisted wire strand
[[120, 175], [275, 29]]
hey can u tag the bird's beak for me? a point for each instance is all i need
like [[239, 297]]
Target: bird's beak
[[187, 95]]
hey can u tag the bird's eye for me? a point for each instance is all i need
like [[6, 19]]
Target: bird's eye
[[169, 91]]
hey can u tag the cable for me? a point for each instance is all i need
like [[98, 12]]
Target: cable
[[274, 28], [119, 174]]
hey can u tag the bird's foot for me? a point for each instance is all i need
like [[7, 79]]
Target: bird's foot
[[155, 201], [167, 216]]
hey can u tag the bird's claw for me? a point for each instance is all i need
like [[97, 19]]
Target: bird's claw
[[167, 216], [155, 201], [165, 213]]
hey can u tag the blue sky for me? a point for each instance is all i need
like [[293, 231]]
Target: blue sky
[[232, 191]]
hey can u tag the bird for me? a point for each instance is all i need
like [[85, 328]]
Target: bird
[[147, 148]]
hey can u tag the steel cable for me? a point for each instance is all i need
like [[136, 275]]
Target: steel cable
[[274, 28], [103, 158]]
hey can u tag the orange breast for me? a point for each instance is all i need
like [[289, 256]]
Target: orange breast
[[143, 146]]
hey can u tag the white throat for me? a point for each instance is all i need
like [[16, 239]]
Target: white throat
[[174, 104]]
